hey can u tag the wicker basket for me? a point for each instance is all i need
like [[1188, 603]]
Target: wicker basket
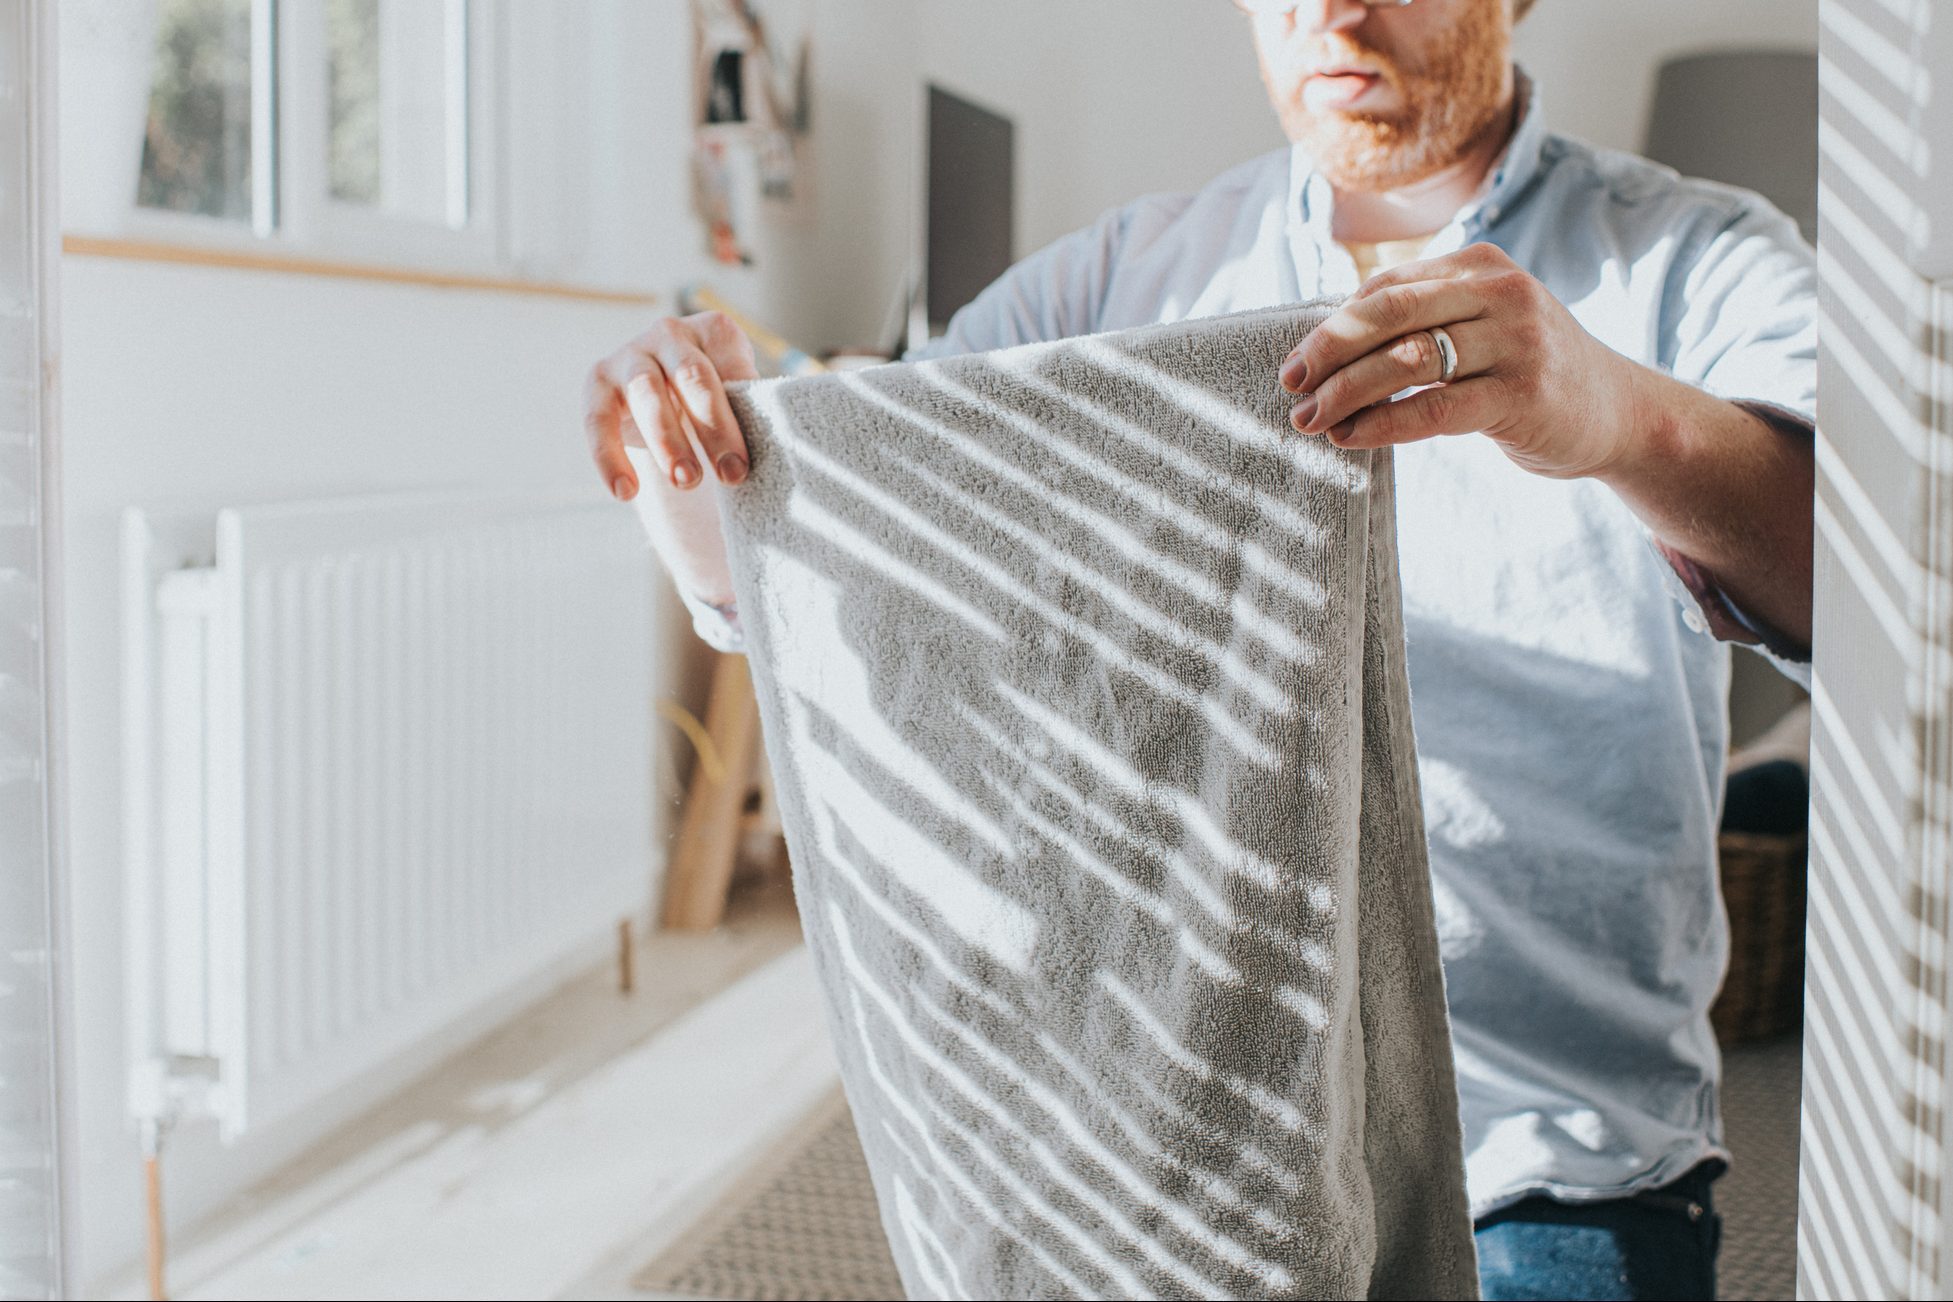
[[1763, 887]]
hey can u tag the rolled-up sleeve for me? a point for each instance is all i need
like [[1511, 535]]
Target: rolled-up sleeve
[[717, 624], [1744, 324], [1744, 327]]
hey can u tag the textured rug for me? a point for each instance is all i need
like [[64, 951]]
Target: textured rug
[[806, 1225], [1758, 1198], [803, 1226]]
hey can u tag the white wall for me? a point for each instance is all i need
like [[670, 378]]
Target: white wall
[[829, 275], [1112, 99], [223, 384]]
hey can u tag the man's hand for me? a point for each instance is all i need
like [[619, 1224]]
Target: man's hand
[[647, 392], [1724, 487], [649, 403], [1557, 400]]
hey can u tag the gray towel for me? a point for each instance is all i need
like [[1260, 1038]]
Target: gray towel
[[1082, 679]]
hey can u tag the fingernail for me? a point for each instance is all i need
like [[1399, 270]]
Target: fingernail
[[684, 474], [1305, 412], [732, 467], [1342, 433], [620, 488]]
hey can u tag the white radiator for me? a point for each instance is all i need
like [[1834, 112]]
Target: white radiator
[[387, 764]]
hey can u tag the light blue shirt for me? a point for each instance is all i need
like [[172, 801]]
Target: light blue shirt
[[1568, 699]]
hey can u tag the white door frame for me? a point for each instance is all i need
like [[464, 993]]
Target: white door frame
[[1872, 1196], [36, 1242]]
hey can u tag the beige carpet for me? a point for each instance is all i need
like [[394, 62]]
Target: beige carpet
[[805, 1227], [1758, 1198]]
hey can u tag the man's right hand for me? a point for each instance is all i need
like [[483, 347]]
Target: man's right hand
[[650, 408]]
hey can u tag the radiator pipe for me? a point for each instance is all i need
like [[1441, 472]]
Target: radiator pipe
[[152, 1182]]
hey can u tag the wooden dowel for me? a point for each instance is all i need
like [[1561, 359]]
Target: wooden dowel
[[708, 838], [624, 974]]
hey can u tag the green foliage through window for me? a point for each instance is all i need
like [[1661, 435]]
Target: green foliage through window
[[353, 31], [196, 153]]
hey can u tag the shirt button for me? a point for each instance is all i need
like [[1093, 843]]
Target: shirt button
[[1693, 618]]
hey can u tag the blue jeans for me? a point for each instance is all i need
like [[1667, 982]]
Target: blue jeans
[[1660, 1243]]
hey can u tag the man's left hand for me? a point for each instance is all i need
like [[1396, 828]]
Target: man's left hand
[[1558, 401]]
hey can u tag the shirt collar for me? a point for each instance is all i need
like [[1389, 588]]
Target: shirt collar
[[1312, 201]]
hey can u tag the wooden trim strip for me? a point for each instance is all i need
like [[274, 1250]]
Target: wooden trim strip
[[783, 354], [90, 246]]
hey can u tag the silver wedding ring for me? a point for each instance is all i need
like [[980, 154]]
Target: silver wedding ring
[[1447, 354]]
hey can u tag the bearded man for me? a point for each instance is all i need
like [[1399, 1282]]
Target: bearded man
[[1599, 378]]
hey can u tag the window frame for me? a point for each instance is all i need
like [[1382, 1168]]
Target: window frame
[[293, 211]]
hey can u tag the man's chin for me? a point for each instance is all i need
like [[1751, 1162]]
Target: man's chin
[[1363, 154]]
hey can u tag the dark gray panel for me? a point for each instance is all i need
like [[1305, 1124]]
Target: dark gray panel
[[1746, 117], [972, 196]]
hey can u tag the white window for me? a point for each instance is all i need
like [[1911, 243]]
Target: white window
[[344, 128], [197, 148]]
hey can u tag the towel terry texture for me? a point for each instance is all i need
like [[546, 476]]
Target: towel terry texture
[[1082, 680]]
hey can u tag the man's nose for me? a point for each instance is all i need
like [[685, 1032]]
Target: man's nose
[[1330, 15]]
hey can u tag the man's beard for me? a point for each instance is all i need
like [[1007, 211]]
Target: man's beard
[[1449, 105]]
